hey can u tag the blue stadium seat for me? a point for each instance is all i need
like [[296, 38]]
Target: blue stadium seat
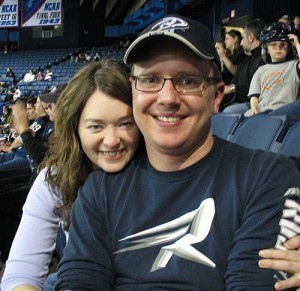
[[32, 92], [25, 93], [224, 124], [290, 145], [260, 131], [39, 92]]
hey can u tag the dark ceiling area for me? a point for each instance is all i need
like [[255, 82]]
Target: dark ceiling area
[[119, 12], [121, 8]]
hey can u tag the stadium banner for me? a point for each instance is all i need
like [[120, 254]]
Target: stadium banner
[[9, 14], [40, 13]]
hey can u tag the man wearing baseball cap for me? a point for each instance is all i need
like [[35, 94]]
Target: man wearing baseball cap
[[192, 212], [50, 98]]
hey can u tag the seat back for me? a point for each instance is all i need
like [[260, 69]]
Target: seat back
[[224, 124], [290, 145], [260, 131]]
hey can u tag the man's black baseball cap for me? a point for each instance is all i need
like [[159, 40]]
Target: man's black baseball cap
[[191, 33], [53, 94]]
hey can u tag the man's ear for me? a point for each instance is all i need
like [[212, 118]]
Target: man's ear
[[251, 37], [219, 96]]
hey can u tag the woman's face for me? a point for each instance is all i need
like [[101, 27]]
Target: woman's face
[[230, 41], [107, 132]]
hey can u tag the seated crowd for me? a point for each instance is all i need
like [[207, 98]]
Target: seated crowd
[[50, 144]]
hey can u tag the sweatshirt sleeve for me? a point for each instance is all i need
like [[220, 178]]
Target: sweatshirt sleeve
[[35, 147], [87, 260], [269, 219], [34, 242]]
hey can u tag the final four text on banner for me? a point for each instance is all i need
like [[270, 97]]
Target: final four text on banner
[[41, 12], [9, 13]]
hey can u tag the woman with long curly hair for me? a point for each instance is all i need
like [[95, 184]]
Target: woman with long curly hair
[[94, 128]]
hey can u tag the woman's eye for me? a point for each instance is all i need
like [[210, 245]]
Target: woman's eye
[[94, 127]]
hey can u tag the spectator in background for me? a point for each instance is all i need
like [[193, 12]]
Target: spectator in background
[[16, 93], [10, 73], [5, 49], [288, 20], [35, 142], [7, 115], [39, 76], [49, 75], [87, 57], [13, 156], [81, 57], [232, 42], [232, 55], [32, 114], [237, 91], [49, 100], [297, 24], [30, 108], [276, 83], [74, 57], [97, 57], [29, 77], [36, 146], [38, 126], [285, 19]]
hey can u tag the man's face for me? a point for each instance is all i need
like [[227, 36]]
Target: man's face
[[171, 122], [50, 110], [245, 42], [31, 111], [38, 108]]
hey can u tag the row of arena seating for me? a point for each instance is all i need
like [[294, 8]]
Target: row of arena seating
[[262, 131], [58, 60]]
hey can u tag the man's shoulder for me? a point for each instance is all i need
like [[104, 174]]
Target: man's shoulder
[[234, 152], [42, 119]]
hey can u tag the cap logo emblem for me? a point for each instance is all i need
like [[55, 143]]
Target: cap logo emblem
[[171, 24]]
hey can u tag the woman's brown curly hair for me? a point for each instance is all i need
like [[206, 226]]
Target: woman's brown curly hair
[[67, 165]]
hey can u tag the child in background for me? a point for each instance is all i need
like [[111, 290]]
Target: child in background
[[277, 82]]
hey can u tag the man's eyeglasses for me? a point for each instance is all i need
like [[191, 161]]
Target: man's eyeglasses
[[182, 84]]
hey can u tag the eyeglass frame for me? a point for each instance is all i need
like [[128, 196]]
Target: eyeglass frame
[[205, 79]]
